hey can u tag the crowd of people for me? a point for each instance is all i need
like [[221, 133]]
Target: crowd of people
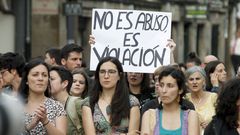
[[55, 95]]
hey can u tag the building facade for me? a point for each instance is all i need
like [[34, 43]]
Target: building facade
[[203, 26]]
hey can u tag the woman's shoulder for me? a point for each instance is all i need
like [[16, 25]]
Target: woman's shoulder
[[76, 100], [212, 96], [50, 101], [191, 114], [55, 107], [133, 101], [53, 103], [151, 114], [85, 102]]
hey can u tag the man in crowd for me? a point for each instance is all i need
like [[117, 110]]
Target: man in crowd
[[208, 59], [53, 57], [71, 56], [12, 66]]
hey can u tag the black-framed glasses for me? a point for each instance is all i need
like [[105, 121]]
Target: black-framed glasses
[[109, 72]]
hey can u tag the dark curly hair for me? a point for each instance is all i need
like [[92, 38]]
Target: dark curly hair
[[178, 75], [226, 108]]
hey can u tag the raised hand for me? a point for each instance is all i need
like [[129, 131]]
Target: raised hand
[[214, 79], [171, 44], [91, 40], [41, 113]]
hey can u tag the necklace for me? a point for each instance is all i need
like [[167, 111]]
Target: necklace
[[197, 103]]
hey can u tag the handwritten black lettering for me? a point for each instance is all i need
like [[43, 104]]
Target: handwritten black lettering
[[119, 19], [131, 57], [126, 39], [102, 20], [140, 20], [150, 22], [151, 52], [126, 57]]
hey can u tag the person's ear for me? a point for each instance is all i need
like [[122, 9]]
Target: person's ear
[[53, 61], [63, 61], [64, 84], [204, 83]]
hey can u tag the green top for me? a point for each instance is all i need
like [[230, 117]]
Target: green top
[[102, 126], [74, 116]]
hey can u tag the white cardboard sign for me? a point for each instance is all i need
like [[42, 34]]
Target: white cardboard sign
[[137, 38]]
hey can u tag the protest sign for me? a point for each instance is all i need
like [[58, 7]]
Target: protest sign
[[137, 38]]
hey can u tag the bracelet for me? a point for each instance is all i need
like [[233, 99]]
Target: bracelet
[[44, 124]]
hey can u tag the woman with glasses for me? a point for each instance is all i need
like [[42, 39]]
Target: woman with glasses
[[110, 109]]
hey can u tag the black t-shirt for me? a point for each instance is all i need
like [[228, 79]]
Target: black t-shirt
[[219, 127], [143, 98], [153, 104]]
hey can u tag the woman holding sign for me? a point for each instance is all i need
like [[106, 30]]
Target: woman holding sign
[[171, 117], [110, 109]]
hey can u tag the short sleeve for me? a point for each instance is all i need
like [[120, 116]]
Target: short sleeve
[[133, 101], [85, 102], [214, 97], [60, 110]]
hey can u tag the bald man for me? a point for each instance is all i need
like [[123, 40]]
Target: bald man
[[208, 59]]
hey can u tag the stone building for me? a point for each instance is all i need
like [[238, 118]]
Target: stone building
[[203, 26]]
